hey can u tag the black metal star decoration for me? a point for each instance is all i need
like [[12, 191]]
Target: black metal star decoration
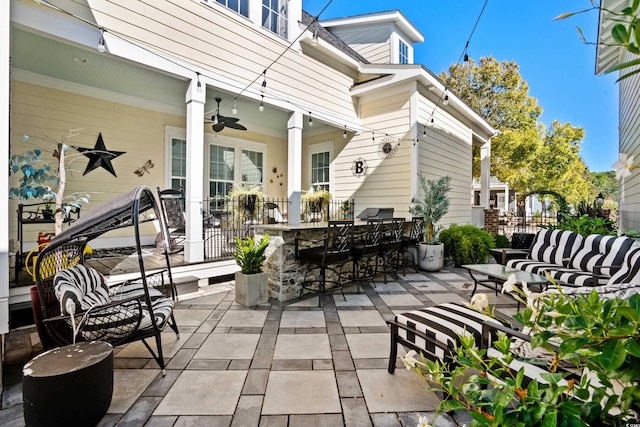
[[99, 156]]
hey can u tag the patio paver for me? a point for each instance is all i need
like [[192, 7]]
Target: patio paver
[[301, 392]]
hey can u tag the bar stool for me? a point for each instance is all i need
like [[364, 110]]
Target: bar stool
[[389, 247], [331, 253], [416, 233], [364, 250]]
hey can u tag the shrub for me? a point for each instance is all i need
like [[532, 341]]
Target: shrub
[[466, 244], [501, 241]]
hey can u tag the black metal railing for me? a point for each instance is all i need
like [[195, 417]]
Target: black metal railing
[[224, 219], [511, 223]]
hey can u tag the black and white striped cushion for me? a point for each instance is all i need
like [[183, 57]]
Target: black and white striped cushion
[[608, 291], [554, 246], [599, 250], [444, 323], [531, 266], [575, 278], [79, 288], [630, 271]]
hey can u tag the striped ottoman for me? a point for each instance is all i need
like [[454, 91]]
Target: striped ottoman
[[434, 331]]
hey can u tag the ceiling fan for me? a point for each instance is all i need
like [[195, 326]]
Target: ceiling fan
[[220, 122]]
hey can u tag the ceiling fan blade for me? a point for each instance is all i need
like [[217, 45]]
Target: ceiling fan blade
[[236, 126], [218, 127], [231, 122]]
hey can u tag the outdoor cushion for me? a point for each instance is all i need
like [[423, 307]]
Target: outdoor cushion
[[608, 291], [444, 323], [630, 270], [600, 250], [575, 277], [532, 266], [79, 288], [555, 246]]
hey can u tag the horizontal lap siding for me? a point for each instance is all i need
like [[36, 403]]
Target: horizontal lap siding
[[446, 150], [373, 44], [38, 111], [229, 45], [387, 181], [630, 144]]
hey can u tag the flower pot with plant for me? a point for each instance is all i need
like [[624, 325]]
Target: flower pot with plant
[[314, 203], [246, 200], [433, 205], [251, 281]]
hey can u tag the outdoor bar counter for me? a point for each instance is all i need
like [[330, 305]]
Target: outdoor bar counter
[[285, 274]]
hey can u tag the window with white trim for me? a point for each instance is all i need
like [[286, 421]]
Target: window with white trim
[[221, 169], [252, 167], [178, 163], [403, 52], [274, 16], [237, 162], [321, 170], [239, 6]]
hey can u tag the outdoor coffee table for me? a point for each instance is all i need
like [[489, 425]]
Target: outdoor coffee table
[[497, 274]]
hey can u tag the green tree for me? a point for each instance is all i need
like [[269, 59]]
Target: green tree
[[526, 154], [605, 183]]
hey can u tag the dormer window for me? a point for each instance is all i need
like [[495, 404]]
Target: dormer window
[[403, 52], [274, 16], [239, 6]]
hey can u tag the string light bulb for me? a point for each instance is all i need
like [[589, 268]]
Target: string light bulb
[[199, 85], [424, 130], [310, 120], [373, 137], [101, 45], [263, 88], [344, 134], [261, 107], [446, 98], [314, 38], [466, 57], [234, 110]]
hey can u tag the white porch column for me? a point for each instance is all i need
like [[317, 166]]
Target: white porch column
[[5, 24], [294, 175], [506, 198], [194, 245], [485, 174]]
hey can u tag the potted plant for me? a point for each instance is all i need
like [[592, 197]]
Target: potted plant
[[251, 281], [246, 200], [432, 207], [314, 202]]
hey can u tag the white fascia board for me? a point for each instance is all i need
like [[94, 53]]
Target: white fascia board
[[607, 55], [394, 16]]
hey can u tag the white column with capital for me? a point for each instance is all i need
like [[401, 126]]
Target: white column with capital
[[485, 174], [194, 244], [294, 175]]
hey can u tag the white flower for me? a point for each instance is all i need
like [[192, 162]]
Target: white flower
[[623, 166], [423, 422], [480, 302], [410, 360], [508, 286]]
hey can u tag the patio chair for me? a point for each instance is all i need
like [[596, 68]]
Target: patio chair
[[331, 253], [364, 252], [173, 213], [75, 302], [273, 213]]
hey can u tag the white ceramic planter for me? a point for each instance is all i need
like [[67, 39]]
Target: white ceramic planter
[[251, 289], [431, 257]]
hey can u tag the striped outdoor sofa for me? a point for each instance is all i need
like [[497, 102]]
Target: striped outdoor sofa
[[575, 260]]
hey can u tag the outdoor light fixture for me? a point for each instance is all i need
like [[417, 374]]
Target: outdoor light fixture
[[314, 39], [424, 130], [600, 200], [310, 120], [446, 98], [344, 134], [101, 46], [261, 107], [263, 88], [199, 88], [466, 57], [234, 110]]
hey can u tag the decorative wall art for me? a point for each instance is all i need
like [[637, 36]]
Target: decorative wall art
[[99, 156], [387, 147], [359, 167], [144, 168]]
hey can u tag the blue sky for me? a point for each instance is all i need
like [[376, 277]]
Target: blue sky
[[558, 67]]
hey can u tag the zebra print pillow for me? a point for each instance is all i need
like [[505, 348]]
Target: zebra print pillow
[[79, 288]]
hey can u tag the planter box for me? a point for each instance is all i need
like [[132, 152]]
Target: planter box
[[251, 289]]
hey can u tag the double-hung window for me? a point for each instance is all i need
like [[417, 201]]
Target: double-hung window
[[178, 163], [239, 6], [221, 169], [234, 164], [274, 16], [403, 52], [320, 170]]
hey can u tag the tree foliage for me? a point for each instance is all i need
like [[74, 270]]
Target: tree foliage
[[526, 154]]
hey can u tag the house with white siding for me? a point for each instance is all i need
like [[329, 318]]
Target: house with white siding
[[608, 54], [341, 98]]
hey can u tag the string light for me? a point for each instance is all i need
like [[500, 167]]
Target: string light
[[424, 130], [344, 134], [446, 98], [314, 38], [373, 137], [261, 107], [234, 110], [101, 45], [310, 120], [199, 85], [263, 88]]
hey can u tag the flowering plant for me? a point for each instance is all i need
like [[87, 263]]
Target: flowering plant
[[591, 362], [623, 166]]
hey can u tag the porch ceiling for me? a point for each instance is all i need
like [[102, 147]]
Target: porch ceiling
[[66, 62]]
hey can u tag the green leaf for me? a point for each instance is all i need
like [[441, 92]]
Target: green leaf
[[623, 65], [619, 34], [570, 345], [550, 419], [630, 313], [450, 405], [632, 346], [613, 355], [551, 378]]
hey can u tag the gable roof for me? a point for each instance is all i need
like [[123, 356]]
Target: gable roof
[[394, 16], [331, 38]]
